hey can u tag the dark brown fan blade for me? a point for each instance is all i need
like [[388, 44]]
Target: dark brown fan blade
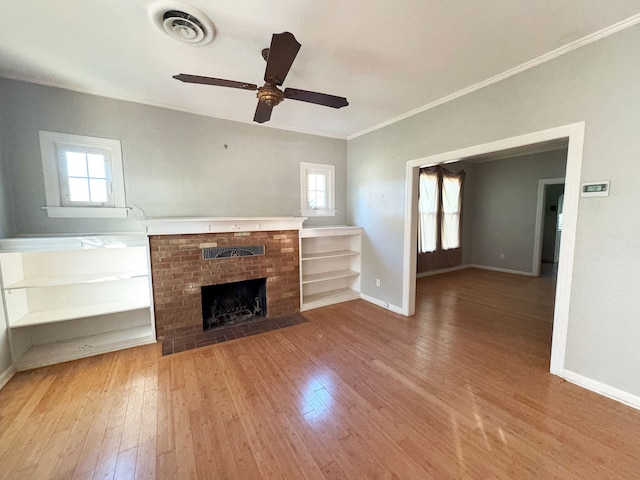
[[314, 97], [263, 113], [282, 53], [214, 81]]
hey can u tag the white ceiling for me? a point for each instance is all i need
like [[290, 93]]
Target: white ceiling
[[387, 57]]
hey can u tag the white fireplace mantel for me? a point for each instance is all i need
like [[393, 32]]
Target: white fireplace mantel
[[186, 225]]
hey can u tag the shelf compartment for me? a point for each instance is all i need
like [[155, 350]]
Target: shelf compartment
[[82, 311], [37, 282], [334, 254], [75, 348], [38, 305], [328, 298], [324, 276]]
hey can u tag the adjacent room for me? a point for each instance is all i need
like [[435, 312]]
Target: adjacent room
[[319, 240]]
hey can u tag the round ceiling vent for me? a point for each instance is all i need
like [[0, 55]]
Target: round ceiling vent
[[182, 22]]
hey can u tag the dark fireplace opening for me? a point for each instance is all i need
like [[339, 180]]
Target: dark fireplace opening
[[233, 303]]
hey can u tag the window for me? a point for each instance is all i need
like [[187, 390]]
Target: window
[[317, 189], [439, 218], [83, 176]]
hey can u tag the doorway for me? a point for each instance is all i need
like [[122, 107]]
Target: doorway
[[574, 135], [549, 218]]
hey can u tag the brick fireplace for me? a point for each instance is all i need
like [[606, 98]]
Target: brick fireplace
[[179, 269]]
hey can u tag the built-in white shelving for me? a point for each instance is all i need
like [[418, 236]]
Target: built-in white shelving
[[71, 297], [329, 265]]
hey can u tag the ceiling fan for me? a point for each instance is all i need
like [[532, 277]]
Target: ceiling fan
[[279, 57]]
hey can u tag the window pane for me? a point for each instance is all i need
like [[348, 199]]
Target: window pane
[[98, 190], [450, 195], [450, 231], [76, 164], [78, 190], [427, 207], [96, 166], [451, 206], [316, 190]]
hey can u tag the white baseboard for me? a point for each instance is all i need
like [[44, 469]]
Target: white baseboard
[[603, 389], [382, 304], [474, 265], [6, 375], [502, 270], [443, 270]]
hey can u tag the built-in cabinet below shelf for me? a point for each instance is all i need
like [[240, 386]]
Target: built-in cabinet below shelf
[[71, 297], [329, 265]]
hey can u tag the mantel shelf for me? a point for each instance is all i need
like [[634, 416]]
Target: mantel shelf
[[187, 225]]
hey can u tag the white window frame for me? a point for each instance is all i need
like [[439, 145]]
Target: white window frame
[[52, 145], [329, 172]]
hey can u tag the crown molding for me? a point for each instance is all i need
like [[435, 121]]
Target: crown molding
[[166, 106], [594, 37]]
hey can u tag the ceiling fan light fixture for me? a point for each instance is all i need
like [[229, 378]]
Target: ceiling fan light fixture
[[182, 22]]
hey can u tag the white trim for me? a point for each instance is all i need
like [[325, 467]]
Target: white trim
[[594, 37], [330, 231], [183, 225], [442, 270], [539, 230], [381, 303], [501, 270], [602, 389], [248, 120], [605, 32], [330, 173], [575, 133], [473, 265], [49, 143], [7, 375], [86, 212], [324, 212]]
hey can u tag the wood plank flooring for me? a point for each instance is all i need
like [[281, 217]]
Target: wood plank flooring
[[460, 390]]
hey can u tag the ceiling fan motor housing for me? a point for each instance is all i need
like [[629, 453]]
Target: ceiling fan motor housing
[[270, 94]]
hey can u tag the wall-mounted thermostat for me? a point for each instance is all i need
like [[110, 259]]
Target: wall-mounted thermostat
[[595, 189]]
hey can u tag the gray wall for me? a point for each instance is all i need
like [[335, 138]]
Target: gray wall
[[6, 229], [175, 164], [6, 212], [504, 208], [597, 84]]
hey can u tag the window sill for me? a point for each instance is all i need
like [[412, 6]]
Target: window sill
[[319, 213], [86, 212]]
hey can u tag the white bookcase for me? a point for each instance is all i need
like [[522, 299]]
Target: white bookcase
[[329, 265], [72, 297]]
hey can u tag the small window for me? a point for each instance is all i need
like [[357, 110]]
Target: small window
[[83, 176], [317, 189]]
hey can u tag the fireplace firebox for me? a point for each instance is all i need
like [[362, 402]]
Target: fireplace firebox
[[235, 303]]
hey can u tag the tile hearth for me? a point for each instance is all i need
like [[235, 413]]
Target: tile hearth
[[210, 337]]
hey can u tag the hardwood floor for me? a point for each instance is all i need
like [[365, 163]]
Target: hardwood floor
[[461, 390]]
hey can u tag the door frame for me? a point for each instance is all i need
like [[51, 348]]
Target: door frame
[[575, 134]]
